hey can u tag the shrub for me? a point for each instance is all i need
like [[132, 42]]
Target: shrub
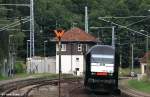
[[19, 68], [145, 78]]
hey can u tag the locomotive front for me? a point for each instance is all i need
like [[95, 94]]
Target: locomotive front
[[101, 69], [102, 62]]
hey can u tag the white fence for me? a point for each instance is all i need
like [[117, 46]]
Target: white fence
[[41, 65]]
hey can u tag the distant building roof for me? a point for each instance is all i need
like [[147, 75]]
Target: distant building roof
[[144, 58], [77, 35]]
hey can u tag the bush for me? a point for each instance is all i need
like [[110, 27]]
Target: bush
[[2, 77], [19, 68], [145, 78]]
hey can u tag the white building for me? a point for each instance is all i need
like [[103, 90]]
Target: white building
[[144, 62], [75, 43]]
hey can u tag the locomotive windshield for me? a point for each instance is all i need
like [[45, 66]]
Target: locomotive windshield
[[107, 59], [102, 63]]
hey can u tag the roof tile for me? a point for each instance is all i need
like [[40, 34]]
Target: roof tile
[[77, 34], [144, 58]]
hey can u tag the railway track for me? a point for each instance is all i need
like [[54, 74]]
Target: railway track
[[23, 87], [70, 87], [6, 90]]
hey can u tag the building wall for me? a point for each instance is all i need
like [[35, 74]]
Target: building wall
[[143, 68], [69, 63], [72, 48]]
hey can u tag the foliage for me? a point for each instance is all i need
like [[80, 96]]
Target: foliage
[[3, 46], [125, 72], [145, 78], [2, 77], [51, 14], [19, 67]]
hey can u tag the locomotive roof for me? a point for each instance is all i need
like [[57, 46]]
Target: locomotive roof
[[98, 49]]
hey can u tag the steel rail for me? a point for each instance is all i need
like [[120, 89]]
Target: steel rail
[[36, 82], [51, 82]]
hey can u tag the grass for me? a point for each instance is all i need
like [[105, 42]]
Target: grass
[[126, 71], [3, 78], [24, 75], [20, 75], [139, 85]]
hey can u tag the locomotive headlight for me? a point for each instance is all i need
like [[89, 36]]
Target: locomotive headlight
[[92, 73], [111, 74]]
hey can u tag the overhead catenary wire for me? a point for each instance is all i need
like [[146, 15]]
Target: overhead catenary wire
[[28, 5], [10, 19], [122, 17], [137, 22], [14, 23], [121, 26], [11, 26], [18, 30]]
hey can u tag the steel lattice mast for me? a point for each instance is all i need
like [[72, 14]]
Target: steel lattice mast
[[31, 28], [86, 19]]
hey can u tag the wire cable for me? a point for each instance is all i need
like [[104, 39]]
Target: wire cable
[[121, 26]]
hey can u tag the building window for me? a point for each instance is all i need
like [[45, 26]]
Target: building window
[[57, 49], [79, 47], [87, 47], [63, 47], [144, 68], [77, 59]]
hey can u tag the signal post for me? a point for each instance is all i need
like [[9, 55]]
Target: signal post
[[59, 33]]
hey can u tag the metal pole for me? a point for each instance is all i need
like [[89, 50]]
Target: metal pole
[[44, 48], [45, 55], [4, 68], [59, 44], [31, 32], [32, 15], [13, 55], [27, 49], [113, 36], [147, 51], [86, 19], [10, 55], [12, 64], [132, 47], [31, 29], [71, 57], [120, 62]]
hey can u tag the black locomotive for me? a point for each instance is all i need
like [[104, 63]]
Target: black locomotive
[[101, 70]]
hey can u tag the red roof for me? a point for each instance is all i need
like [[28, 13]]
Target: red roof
[[144, 58], [77, 34]]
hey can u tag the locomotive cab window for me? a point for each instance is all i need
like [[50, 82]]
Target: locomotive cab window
[[102, 63], [108, 59]]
